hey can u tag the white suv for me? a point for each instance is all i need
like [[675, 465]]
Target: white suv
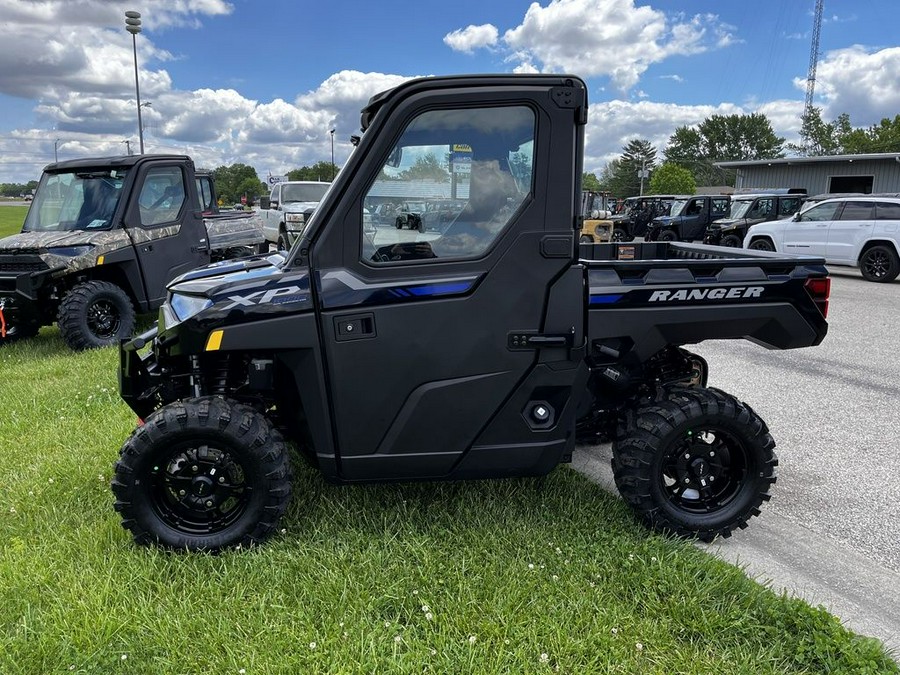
[[862, 231]]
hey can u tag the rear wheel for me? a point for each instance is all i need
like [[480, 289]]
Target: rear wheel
[[618, 234], [697, 464], [762, 245], [203, 474], [879, 264], [732, 240], [399, 223], [95, 314], [586, 239]]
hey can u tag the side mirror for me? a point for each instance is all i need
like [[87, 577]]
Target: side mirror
[[264, 203], [796, 217]]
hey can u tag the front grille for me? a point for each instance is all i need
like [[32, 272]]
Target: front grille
[[19, 264], [19, 251]]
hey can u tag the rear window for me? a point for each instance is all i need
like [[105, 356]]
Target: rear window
[[887, 211], [857, 211]]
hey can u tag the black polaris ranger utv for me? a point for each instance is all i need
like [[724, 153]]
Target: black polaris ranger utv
[[478, 351]]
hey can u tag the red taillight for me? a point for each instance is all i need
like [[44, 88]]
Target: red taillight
[[140, 421], [820, 290]]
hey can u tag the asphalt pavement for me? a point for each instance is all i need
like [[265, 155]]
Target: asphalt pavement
[[831, 533]]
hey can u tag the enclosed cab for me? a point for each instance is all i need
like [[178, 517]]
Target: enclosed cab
[[750, 209], [688, 218]]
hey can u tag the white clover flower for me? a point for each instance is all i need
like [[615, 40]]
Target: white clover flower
[[312, 645], [397, 639], [341, 624], [653, 558], [425, 608], [415, 591], [558, 549], [545, 658], [592, 584], [124, 657], [472, 639], [638, 646], [49, 480], [615, 631], [555, 577], [387, 624], [429, 616], [242, 671], [506, 641], [72, 667], [434, 652]]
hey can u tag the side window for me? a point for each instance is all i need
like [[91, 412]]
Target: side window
[[820, 213], [788, 206], [720, 206], [857, 211], [450, 186], [276, 194], [204, 193], [887, 211], [694, 208], [761, 209], [162, 196]]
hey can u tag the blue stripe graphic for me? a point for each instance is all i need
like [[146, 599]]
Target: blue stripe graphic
[[605, 299]]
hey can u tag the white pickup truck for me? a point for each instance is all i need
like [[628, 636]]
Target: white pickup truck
[[860, 231], [288, 208]]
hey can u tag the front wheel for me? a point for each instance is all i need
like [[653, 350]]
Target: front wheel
[[202, 475], [696, 464], [879, 264], [762, 245], [618, 234], [667, 235], [586, 239], [732, 240], [283, 244], [95, 314]]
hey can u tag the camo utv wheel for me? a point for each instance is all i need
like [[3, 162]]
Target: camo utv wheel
[[732, 241], [202, 475], [95, 314], [697, 464]]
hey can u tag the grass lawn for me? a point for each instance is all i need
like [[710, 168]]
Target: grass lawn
[[515, 576], [11, 219]]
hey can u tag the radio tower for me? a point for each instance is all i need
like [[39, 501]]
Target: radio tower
[[813, 59]]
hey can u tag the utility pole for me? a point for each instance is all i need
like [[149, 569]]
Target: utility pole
[[127, 145], [643, 174], [55, 151], [133, 26]]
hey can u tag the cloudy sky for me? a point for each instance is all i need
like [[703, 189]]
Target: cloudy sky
[[262, 83]]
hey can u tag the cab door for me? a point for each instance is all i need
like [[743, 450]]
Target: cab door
[[166, 227], [453, 352]]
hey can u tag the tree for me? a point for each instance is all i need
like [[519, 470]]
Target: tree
[[621, 177], [321, 171], [589, 181], [721, 138], [672, 179], [233, 182], [426, 167]]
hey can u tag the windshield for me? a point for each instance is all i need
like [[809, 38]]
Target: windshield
[[82, 200], [312, 192], [677, 207], [739, 208]]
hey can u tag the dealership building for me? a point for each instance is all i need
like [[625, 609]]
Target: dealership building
[[835, 173]]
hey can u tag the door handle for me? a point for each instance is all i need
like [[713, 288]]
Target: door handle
[[354, 327]]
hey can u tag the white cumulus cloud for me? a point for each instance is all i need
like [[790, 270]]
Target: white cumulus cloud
[[470, 38]]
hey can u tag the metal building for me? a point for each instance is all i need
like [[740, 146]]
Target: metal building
[[836, 173]]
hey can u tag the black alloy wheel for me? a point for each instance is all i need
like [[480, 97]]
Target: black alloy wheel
[[618, 234], [762, 245], [202, 475], [95, 314], [879, 264], [697, 464], [732, 241]]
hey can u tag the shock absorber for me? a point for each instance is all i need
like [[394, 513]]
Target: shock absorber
[[195, 381]]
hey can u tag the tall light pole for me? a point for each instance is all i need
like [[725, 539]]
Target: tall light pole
[[55, 153], [332, 154], [133, 26]]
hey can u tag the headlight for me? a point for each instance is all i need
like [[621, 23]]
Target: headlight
[[295, 218], [69, 251], [186, 306]]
